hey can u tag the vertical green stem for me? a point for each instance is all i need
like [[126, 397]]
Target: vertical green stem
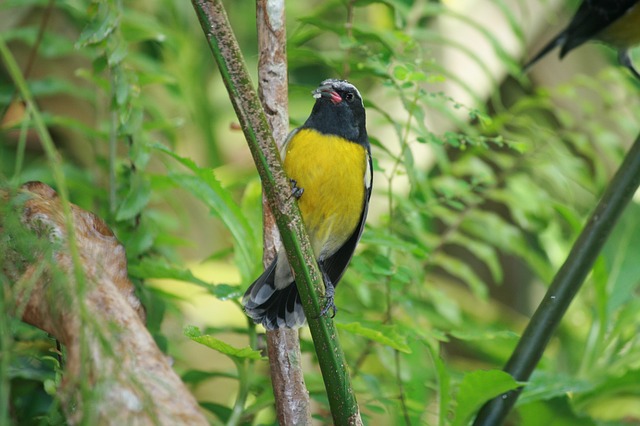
[[404, 145], [52, 155], [113, 141], [55, 163], [226, 52], [243, 393], [22, 146], [6, 341]]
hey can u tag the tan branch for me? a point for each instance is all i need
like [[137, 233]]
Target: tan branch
[[114, 374], [290, 393]]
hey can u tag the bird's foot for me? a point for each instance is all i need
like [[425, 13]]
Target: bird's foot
[[295, 190], [624, 58], [329, 293]]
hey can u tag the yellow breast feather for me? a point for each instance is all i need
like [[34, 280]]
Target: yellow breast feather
[[331, 170]]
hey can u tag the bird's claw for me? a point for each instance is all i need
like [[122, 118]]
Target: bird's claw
[[295, 190], [329, 304]]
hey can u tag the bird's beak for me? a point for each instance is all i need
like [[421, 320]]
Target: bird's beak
[[326, 91]]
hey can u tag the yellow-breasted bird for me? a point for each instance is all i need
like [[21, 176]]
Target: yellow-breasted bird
[[328, 160], [615, 22]]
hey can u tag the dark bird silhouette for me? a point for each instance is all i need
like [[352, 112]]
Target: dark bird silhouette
[[614, 22]]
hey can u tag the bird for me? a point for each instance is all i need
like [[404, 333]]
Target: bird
[[614, 22], [328, 162]]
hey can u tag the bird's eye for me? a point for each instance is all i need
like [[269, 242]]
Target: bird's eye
[[349, 97]]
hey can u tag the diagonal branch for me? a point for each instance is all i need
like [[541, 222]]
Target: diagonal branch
[[115, 373], [566, 284], [227, 54]]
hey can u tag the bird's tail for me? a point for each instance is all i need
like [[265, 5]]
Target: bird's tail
[[273, 308], [546, 49]]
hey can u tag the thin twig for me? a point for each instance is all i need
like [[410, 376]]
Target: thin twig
[[403, 399], [346, 69], [36, 45], [34, 50], [404, 145]]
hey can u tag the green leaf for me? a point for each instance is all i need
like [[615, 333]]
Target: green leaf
[[203, 185], [463, 271], [123, 88], [117, 53], [444, 384], [103, 23], [545, 385], [495, 230], [209, 341], [376, 408], [195, 377], [226, 291], [382, 238], [485, 252], [621, 254], [477, 388], [383, 266], [386, 335], [556, 412], [626, 384], [221, 411], [137, 27], [136, 199], [158, 268], [49, 86], [50, 387], [52, 45], [400, 72], [484, 334]]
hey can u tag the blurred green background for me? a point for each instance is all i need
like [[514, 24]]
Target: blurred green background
[[483, 179]]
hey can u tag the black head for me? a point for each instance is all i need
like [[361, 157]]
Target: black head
[[338, 111]]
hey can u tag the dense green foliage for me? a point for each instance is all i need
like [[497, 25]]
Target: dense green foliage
[[476, 204]]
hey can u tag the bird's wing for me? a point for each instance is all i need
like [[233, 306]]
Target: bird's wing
[[591, 18], [336, 264]]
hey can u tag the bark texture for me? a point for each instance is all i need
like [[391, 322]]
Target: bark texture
[[114, 372], [290, 393]]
